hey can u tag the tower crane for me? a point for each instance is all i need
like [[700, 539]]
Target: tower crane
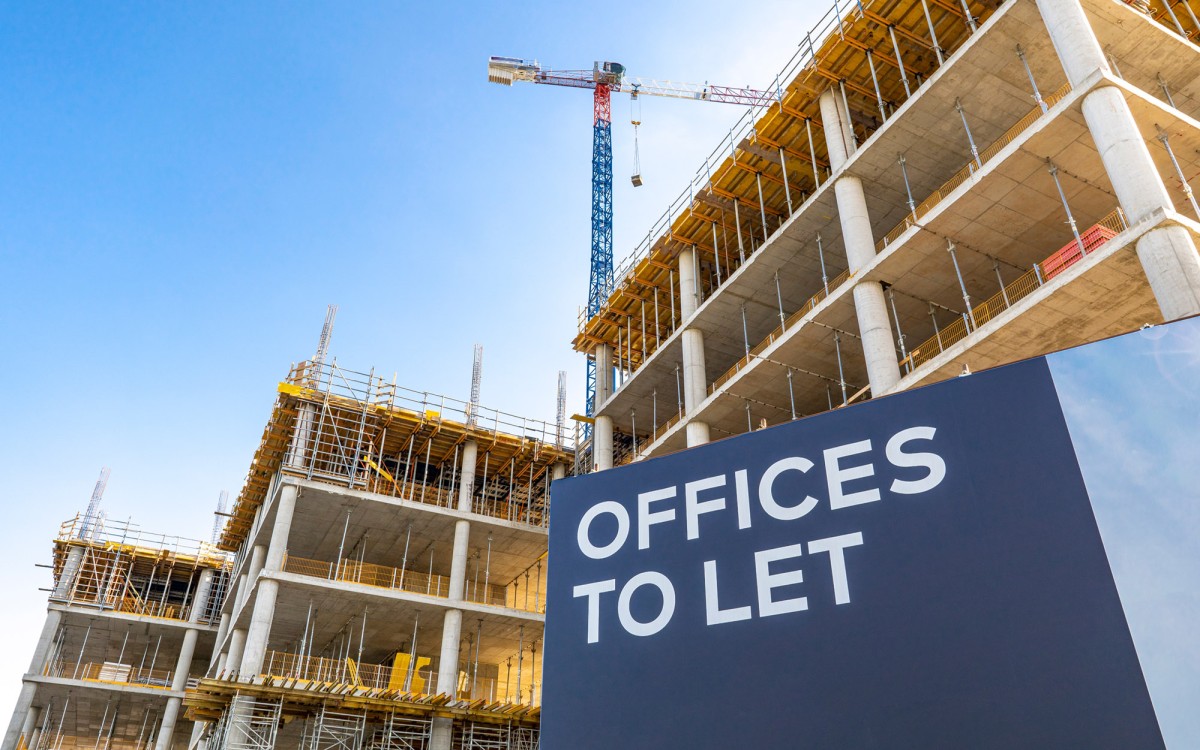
[[603, 79], [93, 514]]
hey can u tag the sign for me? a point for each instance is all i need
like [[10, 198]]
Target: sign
[[923, 570]]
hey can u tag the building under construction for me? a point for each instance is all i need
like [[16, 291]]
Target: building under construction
[[389, 573], [131, 619], [940, 186], [379, 582]]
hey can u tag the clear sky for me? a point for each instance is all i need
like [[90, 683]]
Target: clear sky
[[185, 186], [1134, 415]]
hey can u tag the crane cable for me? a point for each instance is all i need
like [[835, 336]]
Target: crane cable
[[636, 121]]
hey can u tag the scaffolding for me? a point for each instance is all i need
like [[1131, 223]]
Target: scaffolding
[[250, 724], [119, 727], [874, 55], [357, 430], [117, 566], [518, 594], [223, 701], [493, 737], [401, 732], [328, 729]]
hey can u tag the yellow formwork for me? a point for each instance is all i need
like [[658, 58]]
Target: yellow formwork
[[383, 427], [841, 58], [209, 698], [867, 36]]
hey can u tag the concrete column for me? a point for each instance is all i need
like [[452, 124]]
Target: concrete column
[[183, 663], [281, 530], [239, 594], [259, 632], [557, 472], [197, 731], [298, 450], [466, 484], [602, 432], [695, 379], [36, 665], [237, 646], [689, 297], [31, 739], [1167, 254], [201, 596], [45, 640], [442, 736], [458, 560], [870, 306], [222, 631], [166, 730], [258, 556], [27, 726], [251, 570], [66, 580], [697, 433], [447, 681], [24, 704]]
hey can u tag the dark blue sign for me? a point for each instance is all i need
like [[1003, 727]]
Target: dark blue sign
[[920, 571]]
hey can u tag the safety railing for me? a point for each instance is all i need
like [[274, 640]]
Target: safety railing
[[113, 673], [415, 582], [408, 673], [341, 440], [519, 503], [162, 610], [1074, 251], [970, 168], [663, 428], [371, 390], [791, 322], [55, 739], [920, 210], [108, 578], [325, 671], [835, 20], [1170, 17], [133, 539], [840, 13]]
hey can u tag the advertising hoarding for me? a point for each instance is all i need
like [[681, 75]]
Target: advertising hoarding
[[922, 570]]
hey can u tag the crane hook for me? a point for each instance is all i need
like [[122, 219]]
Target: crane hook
[[636, 121]]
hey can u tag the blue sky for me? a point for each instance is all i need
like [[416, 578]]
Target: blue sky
[[1134, 415], [184, 187]]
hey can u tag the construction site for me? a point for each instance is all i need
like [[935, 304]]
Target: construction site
[[931, 188]]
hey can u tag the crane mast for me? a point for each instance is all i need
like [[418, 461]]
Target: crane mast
[[605, 78], [92, 516], [600, 274]]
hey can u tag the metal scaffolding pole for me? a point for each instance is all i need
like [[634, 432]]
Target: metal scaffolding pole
[[1037, 94], [791, 393], [937, 48], [970, 138], [1053, 168], [899, 63], [837, 344]]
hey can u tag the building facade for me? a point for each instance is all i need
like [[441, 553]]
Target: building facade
[[380, 582], [939, 187], [389, 574], [130, 622]]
